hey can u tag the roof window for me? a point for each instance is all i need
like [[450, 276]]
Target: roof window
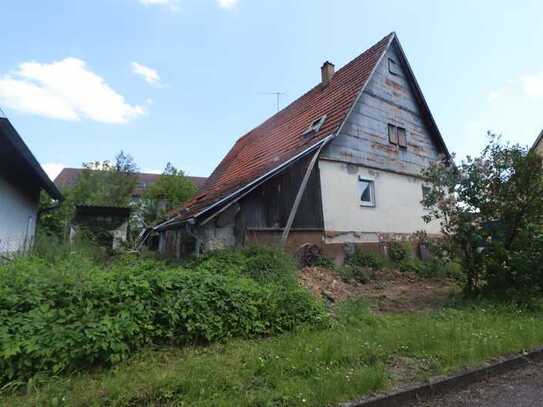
[[315, 126]]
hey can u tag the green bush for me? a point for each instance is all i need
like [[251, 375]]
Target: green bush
[[432, 268], [266, 264], [398, 251], [323, 261], [72, 313], [366, 259]]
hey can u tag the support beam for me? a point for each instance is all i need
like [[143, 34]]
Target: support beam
[[299, 195]]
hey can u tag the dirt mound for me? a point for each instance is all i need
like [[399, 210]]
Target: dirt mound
[[326, 283], [387, 290]]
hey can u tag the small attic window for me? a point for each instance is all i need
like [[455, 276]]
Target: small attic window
[[393, 67], [315, 126]]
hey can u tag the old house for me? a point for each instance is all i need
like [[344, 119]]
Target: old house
[[21, 180], [340, 166]]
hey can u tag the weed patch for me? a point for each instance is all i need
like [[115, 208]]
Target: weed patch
[[70, 313]]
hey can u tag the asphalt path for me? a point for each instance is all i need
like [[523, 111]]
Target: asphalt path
[[521, 387]]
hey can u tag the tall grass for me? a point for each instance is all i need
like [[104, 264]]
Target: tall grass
[[351, 358]]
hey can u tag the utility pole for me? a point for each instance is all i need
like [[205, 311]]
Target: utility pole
[[277, 96]]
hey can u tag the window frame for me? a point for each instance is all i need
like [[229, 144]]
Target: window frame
[[371, 184], [397, 135], [393, 67], [402, 138], [392, 134]]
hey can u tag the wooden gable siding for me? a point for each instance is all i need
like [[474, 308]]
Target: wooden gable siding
[[269, 205], [388, 99]]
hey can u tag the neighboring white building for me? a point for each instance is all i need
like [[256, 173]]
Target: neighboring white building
[[340, 166], [21, 180]]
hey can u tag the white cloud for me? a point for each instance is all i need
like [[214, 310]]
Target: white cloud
[[512, 109], [149, 75], [173, 4], [66, 90], [53, 169], [532, 85], [227, 3]]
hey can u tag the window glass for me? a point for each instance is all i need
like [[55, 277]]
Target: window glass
[[367, 194]]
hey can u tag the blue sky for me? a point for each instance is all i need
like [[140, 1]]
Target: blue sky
[[181, 80]]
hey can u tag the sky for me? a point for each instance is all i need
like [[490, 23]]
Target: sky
[[181, 80]]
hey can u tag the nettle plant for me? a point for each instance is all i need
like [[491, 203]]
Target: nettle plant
[[490, 210]]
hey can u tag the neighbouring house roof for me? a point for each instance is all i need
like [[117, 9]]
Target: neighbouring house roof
[[281, 138], [18, 159], [68, 178]]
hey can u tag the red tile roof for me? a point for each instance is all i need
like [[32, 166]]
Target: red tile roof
[[68, 178], [281, 137]]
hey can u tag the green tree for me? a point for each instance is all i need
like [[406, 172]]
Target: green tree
[[106, 183], [171, 190], [491, 215], [103, 183]]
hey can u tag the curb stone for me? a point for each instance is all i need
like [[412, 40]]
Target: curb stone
[[442, 385]]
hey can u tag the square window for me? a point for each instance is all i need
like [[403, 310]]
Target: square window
[[397, 136], [367, 192]]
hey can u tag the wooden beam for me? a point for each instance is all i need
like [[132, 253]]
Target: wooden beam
[[299, 196]]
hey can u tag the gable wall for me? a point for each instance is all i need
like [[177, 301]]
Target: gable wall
[[364, 138], [363, 150], [18, 214]]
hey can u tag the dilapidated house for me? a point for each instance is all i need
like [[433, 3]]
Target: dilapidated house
[[340, 166], [21, 180]]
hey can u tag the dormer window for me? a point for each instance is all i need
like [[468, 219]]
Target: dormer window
[[315, 126]]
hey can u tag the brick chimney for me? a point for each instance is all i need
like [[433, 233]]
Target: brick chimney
[[327, 71]]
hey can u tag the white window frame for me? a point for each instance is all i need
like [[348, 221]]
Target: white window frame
[[371, 183]]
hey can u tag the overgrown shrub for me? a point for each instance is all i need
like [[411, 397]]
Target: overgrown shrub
[[72, 313], [323, 261], [348, 273], [432, 268], [266, 264], [366, 259], [398, 251]]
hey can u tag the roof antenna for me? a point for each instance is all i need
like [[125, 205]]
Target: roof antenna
[[2, 114], [277, 95]]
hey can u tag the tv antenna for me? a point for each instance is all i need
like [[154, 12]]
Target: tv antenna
[[277, 96]]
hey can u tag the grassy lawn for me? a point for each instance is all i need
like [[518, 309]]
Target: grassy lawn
[[360, 353]]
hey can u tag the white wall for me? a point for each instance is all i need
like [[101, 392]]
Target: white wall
[[397, 197], [18, 212]]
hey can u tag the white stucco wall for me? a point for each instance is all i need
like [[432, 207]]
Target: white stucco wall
[[397, 203], [18, 212]]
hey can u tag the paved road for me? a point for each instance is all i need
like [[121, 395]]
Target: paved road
[[521, 387]]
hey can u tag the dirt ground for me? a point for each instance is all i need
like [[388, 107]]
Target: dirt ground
[[388, 291]]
